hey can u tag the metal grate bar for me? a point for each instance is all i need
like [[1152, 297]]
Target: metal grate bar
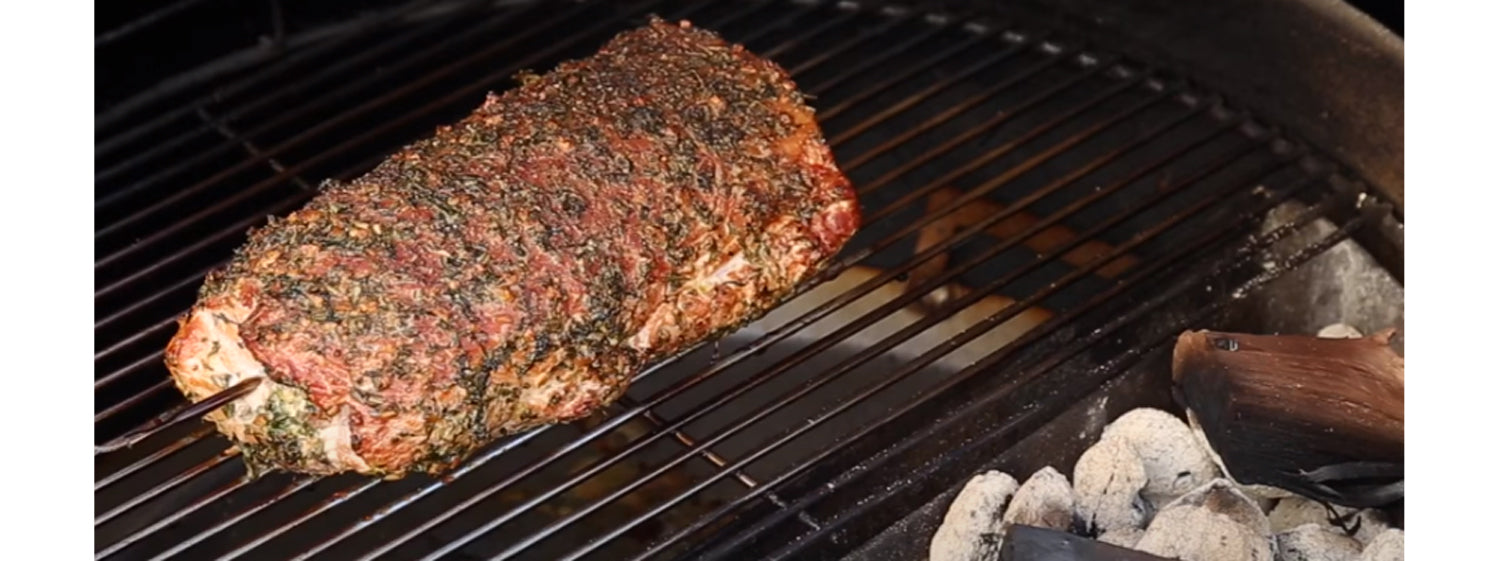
[[165, 486], [1097, 335], [255, 153], [133, 400], [127, 541], [979, 162], [121, 344], [307, 110], [272, 71], [400, 503], [185, 282], [938, 57], [614, 422], [339, 66], [914, 366], [154, 457], [298, 485], [311, 513], [143, 22], [324, 126], [682, 437], [826, 54], [712, 458], [970, 103], [709, 455], [950, 81], [139, 363], [776, 51], [884, 344]]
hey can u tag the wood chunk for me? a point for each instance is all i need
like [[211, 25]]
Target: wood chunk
[[1340, 331], [1320, 417], [1030, 543]]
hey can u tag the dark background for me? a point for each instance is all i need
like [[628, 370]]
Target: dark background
[[139, 45], [1389, 13]]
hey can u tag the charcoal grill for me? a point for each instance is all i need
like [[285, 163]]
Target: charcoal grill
[[1120, 204]]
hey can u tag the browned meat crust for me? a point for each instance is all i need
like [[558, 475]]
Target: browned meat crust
[[518, 267]]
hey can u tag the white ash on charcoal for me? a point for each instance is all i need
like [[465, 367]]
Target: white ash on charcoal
[[1389, 545], [1044, 501], [1216, 522], [1109, 502], [989, 503], [1173, 459], [1107, 483], [1315, 542], [1292, 512], [1123, 537], [971, 529], [1368, 524]]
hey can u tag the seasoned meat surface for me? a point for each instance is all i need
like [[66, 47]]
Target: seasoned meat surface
[[519, 267]]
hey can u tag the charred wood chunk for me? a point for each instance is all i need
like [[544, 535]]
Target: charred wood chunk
[[1320, 417]]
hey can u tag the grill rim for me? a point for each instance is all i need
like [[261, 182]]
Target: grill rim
[[304, 484], [1338, 74]]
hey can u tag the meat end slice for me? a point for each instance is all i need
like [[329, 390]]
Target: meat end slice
[[519, 267]]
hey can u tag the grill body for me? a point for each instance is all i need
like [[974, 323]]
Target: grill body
[[1118, 204]]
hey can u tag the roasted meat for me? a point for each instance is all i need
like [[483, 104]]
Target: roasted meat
[[519, 267]]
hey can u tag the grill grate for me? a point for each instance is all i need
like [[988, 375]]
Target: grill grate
[[1099, 181]]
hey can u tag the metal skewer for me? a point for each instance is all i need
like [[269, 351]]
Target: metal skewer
[[191, 411]]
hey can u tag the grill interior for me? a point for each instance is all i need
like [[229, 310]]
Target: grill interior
[[1119, 205]]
